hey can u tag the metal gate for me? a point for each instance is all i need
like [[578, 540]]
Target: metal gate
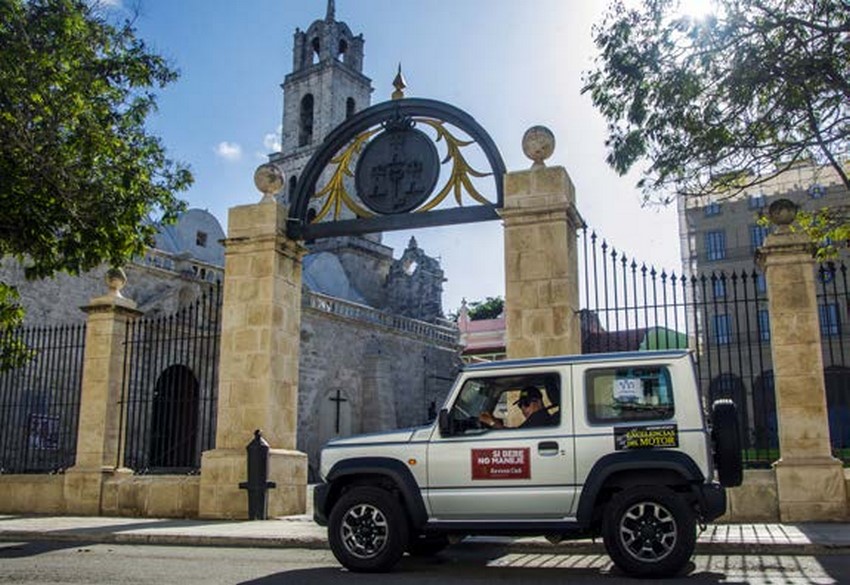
[[170, 387], [723, 318], [40, 401]]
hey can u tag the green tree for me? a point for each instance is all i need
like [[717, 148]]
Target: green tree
[[79, 173], [718, 104], [490, 308]]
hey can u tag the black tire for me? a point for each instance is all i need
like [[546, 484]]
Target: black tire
[[426, 545], [649, 531], [726, 436], [367, 530]]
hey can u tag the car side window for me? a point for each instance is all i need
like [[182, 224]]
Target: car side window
[[505, 400], [627, 394]]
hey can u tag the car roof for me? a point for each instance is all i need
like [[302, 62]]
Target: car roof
[[578, 359]]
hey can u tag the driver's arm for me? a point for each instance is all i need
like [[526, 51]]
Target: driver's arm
[[491, 421]]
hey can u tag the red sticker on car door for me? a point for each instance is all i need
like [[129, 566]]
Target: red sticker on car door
[[501, 463]]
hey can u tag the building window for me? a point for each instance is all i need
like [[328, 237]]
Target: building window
[[201, 239], [757, 235], [305, 135], [715, 245], [761, 283], [757, 201], [712, 208], [829, 321], [350, 107], [817, 191], [764, 325], [719, 286], [722, 330]]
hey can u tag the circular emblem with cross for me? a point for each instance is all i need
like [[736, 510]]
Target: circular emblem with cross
[[397, 171]]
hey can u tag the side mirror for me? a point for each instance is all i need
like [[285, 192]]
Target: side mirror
[[443, 421]]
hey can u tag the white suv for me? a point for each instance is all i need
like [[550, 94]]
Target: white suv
[[618, 447]]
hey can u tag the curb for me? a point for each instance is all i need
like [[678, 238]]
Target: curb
[[98, 537], [525, 546]]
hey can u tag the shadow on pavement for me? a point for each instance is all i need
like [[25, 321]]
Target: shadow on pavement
[[464, 566], [20, 550]]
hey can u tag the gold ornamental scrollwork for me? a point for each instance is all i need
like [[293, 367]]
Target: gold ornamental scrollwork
[[335, 192], [461, 170]]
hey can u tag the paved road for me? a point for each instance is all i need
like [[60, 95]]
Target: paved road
[[64, 562]]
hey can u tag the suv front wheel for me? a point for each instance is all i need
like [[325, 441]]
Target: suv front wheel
[[649, 531], [367, 530]]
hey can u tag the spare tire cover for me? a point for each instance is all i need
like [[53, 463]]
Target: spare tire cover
[[726, 436]]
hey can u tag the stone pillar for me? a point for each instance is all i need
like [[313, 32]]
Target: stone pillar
[[98, 437], [541, 263], [258, 371], [810, 482]]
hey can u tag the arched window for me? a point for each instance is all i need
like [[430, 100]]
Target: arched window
[[305, 136], [342, 50], [316, 57], [293, 185], [349, 107]]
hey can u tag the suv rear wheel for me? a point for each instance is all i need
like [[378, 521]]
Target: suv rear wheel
[[367, 530], [649, 531]]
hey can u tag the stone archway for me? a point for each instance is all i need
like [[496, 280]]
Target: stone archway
[[174, 419]]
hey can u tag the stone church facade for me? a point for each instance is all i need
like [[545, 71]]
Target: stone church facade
[[375, 351]]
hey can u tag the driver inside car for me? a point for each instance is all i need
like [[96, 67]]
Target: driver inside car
[[530, 401]]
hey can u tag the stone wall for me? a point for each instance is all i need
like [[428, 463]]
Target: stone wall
[[165, 496], [387, 378], [57, 300]]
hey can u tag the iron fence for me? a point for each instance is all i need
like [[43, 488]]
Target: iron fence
[[723, 317], [40, 401], [170, 387], [834, 309]]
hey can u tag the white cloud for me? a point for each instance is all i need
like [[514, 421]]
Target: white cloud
[[272, 140], [229, 151]]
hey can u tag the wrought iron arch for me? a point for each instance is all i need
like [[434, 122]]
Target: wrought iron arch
[[355, 132]]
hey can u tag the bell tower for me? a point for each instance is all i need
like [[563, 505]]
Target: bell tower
[[325, 87]]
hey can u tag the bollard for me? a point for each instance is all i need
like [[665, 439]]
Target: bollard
[[258, 475]]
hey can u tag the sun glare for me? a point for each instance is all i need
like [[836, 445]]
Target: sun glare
[[696, 8]]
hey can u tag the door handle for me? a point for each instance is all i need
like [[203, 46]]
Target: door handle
[[547, 448]]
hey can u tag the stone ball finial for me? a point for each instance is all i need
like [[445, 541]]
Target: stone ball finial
[[538, 144], [268, 179], [116, 278], [782, 212]]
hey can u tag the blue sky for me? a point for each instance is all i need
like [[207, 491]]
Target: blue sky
[[510, 64]]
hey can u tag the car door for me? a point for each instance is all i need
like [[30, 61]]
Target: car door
[[523, 473]]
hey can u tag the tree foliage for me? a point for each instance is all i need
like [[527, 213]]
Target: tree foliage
[[490, 308], [718, 104], [79, 174]]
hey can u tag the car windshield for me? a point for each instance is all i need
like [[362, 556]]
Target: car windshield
[[473, 399]]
